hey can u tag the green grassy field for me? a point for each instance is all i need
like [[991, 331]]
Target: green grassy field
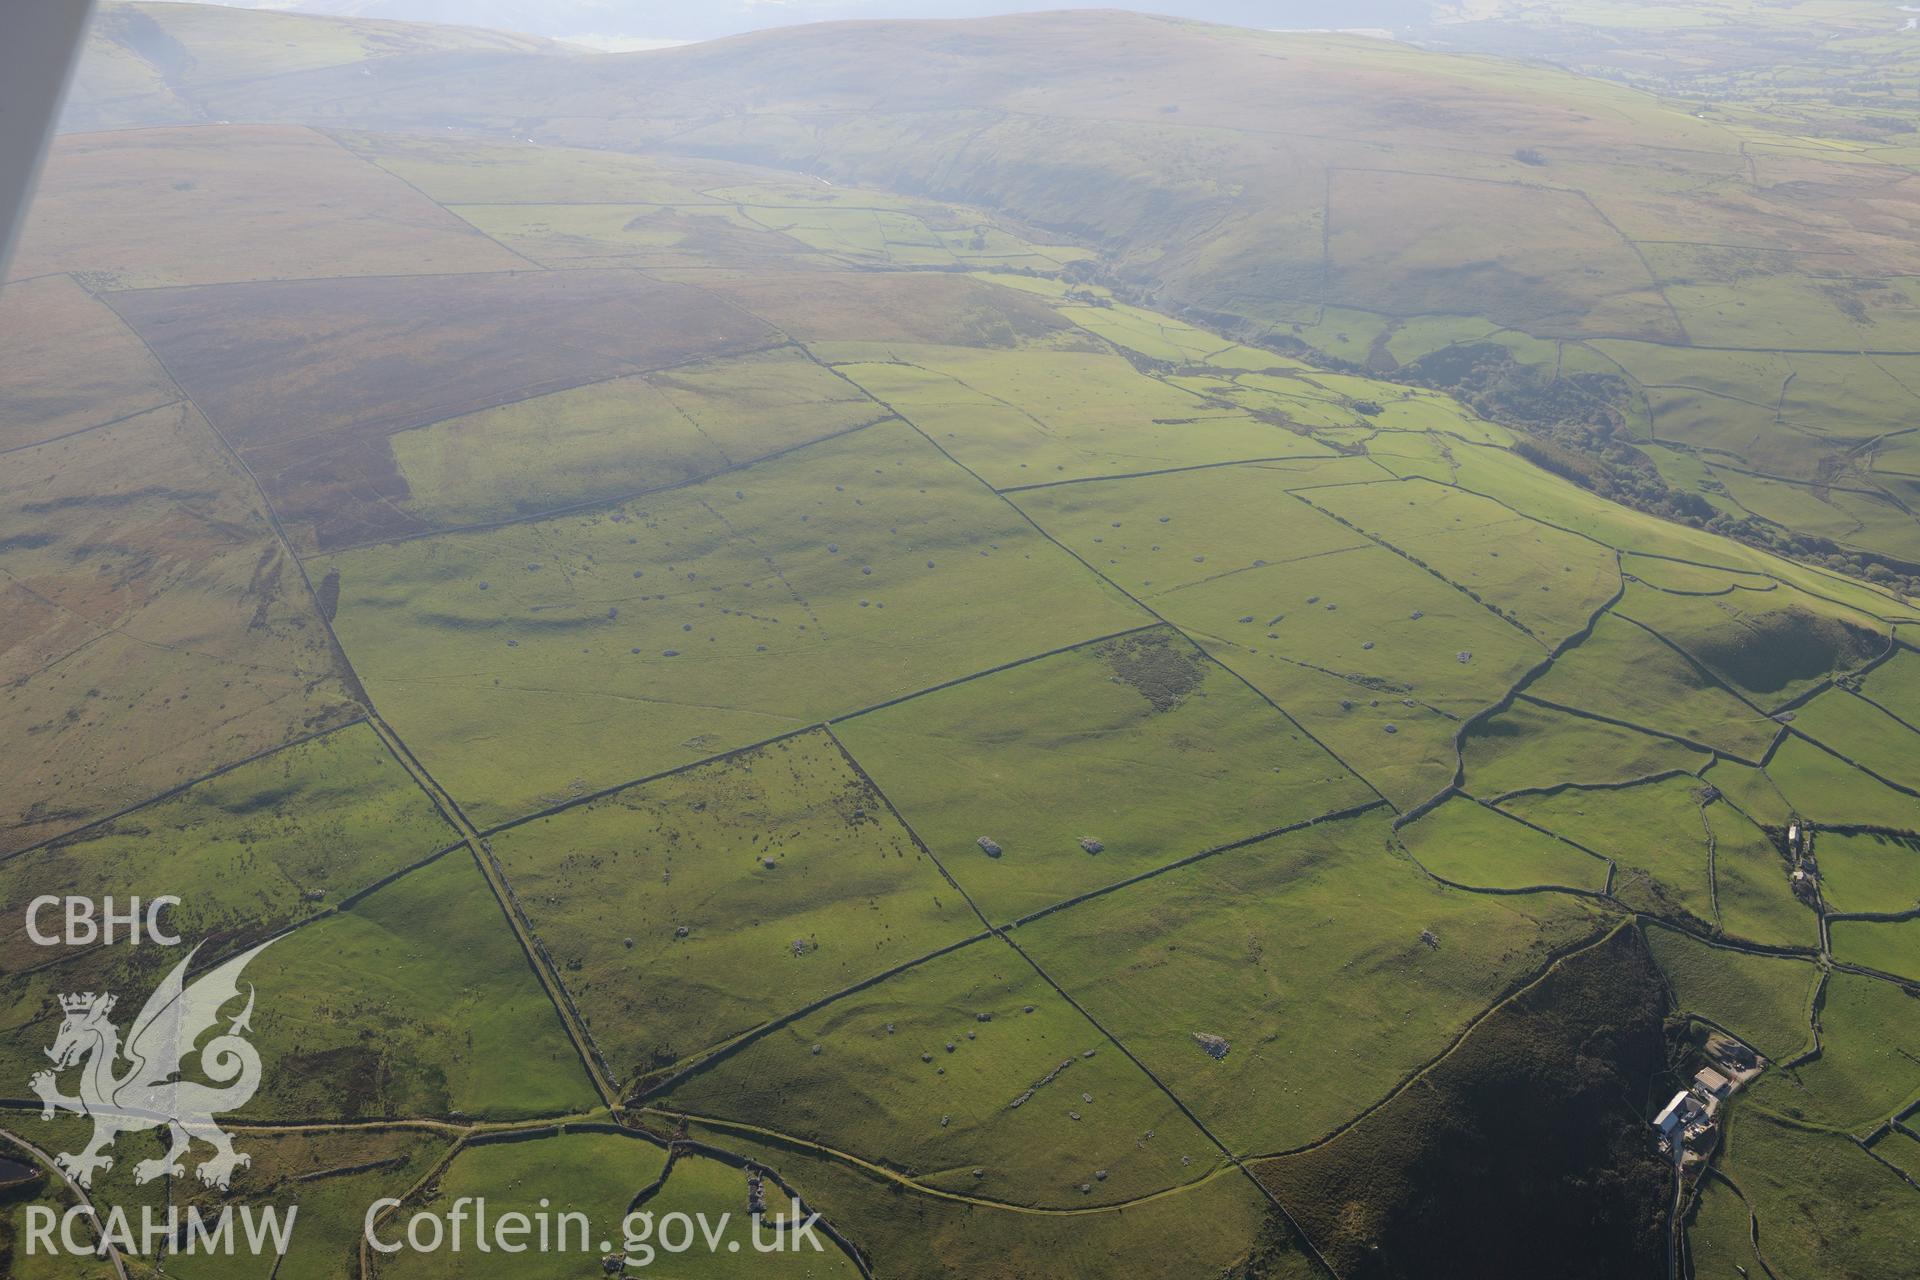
[[1530, 747], [1770, 646], [685, 911], [970, 1074], [1093, 766], [1751, 790], [248, 852], [1655, 832], [645, 468], [417, 1001], [1267, 585], [1870, 872], [1547, 581], [1751, 883], [1159, 337], [1832, 792], [1222, 1226], [1720, 1232], [1825, 1206], [1891, 684], [1177, 533], [614, 438], [1765, 1000], [1900, 1149], [698, 1184], [1864, 733], [1405, 751], [591, 1173], [1889, 946], [629, 640], [266, 846], [1667, 693], [1865, 1072], [1027, 417], [1469, 843], [1306, 954]]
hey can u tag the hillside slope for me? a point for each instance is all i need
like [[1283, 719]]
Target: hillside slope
[[1695, 312]]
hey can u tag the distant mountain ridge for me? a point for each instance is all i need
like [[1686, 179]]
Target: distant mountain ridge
[[649, 20], [1534, 240]]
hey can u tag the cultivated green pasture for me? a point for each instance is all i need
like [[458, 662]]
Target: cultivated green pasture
[[1469, 843], [592, 1173], [1719, 1234], [1159, 537], [906, 577], [1887, 945], [1859, 518], [1028, 417], [1305, 953], [250, 851], [1865, 1072], [1826, 1208], [1548, 581], [1863, 733], [263, 847], [1408, 652], [701, 1184], [1902, 1149], [906, 1073], [1220, 1227], [1159, 337], [1406, 752], [1530, 747], [534, 662], [1869, 871], [673, 933], [1752, 790], [1373, 655], [1296, 396], [416, 1001], [1839, 599], [1622, 672], [1895, 684], [609, 439], [1354, 614], [1655, 832], [1141, 745], [1831, 792], [1770, 646], [1751, 883], [1765, 1000]]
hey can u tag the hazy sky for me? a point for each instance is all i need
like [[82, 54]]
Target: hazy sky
[[640, 21]]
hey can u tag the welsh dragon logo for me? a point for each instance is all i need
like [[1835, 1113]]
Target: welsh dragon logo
[[150, 1092]]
